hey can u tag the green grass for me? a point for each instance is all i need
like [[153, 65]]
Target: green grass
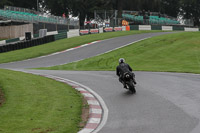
[[60, 45], [178, 52], [36, 104]]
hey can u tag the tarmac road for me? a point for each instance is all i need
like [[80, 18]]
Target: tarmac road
[[80, 53], [164, 103]]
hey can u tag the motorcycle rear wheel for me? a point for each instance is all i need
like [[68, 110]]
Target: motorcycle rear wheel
[[131, 87]]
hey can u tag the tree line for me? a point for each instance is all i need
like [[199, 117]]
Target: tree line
[[189, 9]]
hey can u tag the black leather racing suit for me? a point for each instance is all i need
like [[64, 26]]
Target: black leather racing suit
[[123, 68]]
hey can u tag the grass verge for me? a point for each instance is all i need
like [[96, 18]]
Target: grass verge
[[173, 53], [60, 45], [36, 104], [2, 99]]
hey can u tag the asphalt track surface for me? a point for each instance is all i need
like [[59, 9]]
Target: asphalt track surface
[[80, 53], [164, 103]]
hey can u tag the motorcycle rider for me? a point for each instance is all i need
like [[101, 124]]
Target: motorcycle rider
[[123, 68]]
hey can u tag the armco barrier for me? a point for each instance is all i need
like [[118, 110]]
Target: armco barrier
[[167, 28], [52, 33], [123, 28], [12, 40], [144, 27], [73, 33], [84, 32], [191, 29], [94, 31], [60, 35], [108, 29], [36, 35], [25, 44], [100, 30], [117, 28], [178, 28], [156, 27], [62, 31], [134, 27], [164, 28], [2, 42]]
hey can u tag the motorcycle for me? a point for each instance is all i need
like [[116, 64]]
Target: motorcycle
[[128, 79]]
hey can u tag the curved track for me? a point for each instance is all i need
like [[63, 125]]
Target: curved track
[[164, 103], [80, 53]]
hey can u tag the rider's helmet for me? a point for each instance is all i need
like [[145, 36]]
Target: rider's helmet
[[121, 60]]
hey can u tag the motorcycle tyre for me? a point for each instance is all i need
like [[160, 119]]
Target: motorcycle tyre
[[131, 87]]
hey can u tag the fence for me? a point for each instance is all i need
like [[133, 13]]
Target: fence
[[32, 16], [66, 34]]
